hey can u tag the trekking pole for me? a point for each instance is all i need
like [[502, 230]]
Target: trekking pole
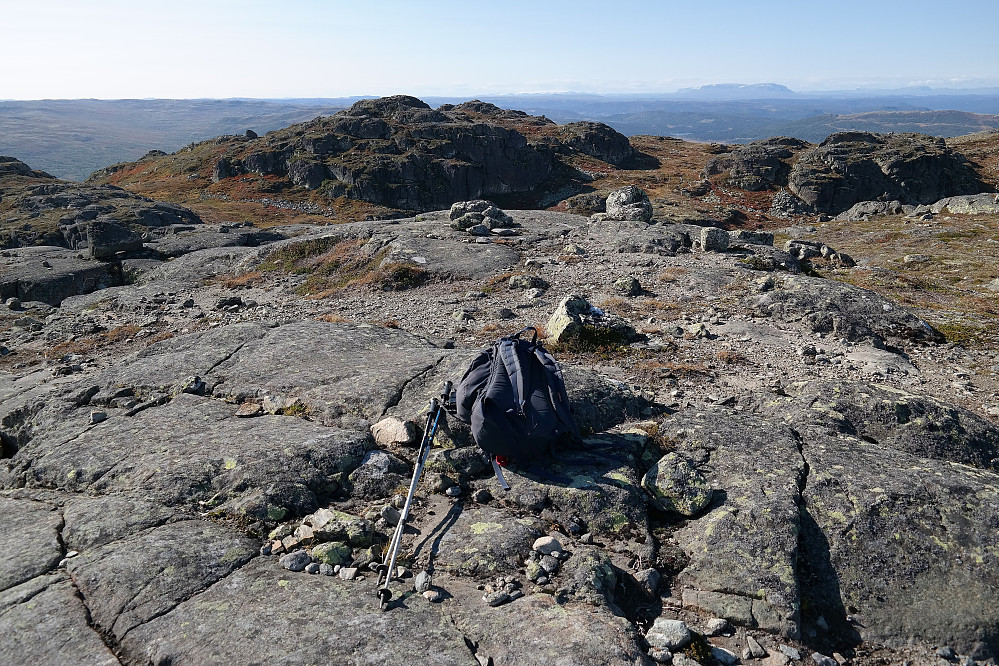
[[386, 570]]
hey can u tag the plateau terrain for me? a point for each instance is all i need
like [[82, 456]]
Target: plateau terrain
[[215, 366]]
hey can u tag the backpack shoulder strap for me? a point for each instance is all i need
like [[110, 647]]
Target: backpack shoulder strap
[[507, 351]]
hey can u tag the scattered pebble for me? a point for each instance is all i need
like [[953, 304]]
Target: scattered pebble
[[326, 569], [98, 417], [348, 573], [496, 598], [312, 568], [296, 561], [453, 491], [546, 545], [432, 595], [670, 634], [717, 626], [756, 650]]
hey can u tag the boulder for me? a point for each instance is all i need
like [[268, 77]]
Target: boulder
[[971, 204], [105, 239], [629, 204], [575, 318]]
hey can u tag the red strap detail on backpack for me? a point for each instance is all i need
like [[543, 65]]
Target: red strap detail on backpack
[[502, 461]]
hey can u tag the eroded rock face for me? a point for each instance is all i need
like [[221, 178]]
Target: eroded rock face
[[598, 140], [400, 153], [850, 167], [629, 204]]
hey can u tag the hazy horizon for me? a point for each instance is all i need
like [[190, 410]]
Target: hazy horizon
[[186, 49]]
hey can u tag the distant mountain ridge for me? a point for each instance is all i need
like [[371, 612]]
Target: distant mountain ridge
[[73, 138]]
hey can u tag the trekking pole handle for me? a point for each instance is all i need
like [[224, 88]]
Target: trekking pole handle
[[447, 391]]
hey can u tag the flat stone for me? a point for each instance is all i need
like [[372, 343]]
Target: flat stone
[[672, 635]]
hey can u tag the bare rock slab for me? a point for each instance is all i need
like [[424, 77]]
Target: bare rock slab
[[44, 621], [537, 630], [131, 581], [321, 620], [743, 552], [31, 531], [195, 449], [486, 541]]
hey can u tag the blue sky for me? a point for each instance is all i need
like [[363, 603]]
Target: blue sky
[[306, 48]]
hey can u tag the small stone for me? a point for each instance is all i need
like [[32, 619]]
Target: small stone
[[670, 634], [326, 569], [391, 515], [348, 573], [13, 303], [550, 564], [717, 626], [479, 230], [266, 549], [296, 561], [482, 496], [756, 650], [98, 417], [312, 568], [534, 293], [422, 582], [496, 598], [505, 313], [628, 286], [586, 538], [648, 580], [515, 594], [249, 409], [432, 595], [290, 543], [822, 660], [724, 657], [790, 652], [946, 652], [277, 547], [398, 501], [543, 580], [840, 659], [394, 431], [661, 655], [547, 545], [453, 491]]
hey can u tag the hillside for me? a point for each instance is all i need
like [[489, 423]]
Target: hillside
[[73, 138]]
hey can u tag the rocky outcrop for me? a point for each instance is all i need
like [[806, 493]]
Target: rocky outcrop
[[850, 167], [597, 140], [397, 152]]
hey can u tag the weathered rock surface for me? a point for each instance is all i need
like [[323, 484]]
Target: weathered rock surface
[[321, 616], [486, 541], [849, 167], [133, 580], [744, 551], [52, 274], [194, 449], [33, 528], [45, 621], [629, 204], [843, 310]]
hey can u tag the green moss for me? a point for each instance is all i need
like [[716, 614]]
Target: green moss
[[276, 512]]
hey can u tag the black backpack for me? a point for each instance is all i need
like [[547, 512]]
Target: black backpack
[[513, 395]]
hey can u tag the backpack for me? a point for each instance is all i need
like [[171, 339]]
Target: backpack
[[513, 396]]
